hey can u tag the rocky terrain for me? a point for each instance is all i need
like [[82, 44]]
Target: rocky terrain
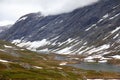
[[92, 31], [21, 64], [88, 34]]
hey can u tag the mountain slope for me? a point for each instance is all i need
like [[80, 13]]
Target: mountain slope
[[89, 31], [4, 28]]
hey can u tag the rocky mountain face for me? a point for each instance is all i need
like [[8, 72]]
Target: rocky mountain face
[[93, 30], [4, 28]]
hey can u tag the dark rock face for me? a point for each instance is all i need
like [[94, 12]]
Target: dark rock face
[[83, 29]]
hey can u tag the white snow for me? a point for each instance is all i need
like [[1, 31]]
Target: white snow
[[64, 51], [43, 27], [89, 59], [107, 36], [8, 46], [31, 45], [67, 41], [85, 43], [61, 21], [83, 51], [44, 50], [115, 16], [100, 20], [63, 63], [4, 61], [37, 67], [102, 61], [90, 27], [103, 47], [23, 18], [105, 16], [104, 53], [115, 36], [37, 44], [22, 49], [116, 6], [17, 41], [116, 56], [100, 57], [55, 38], [70, 40], [118, 28]]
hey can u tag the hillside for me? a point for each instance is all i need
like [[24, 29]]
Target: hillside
[[92, 31]]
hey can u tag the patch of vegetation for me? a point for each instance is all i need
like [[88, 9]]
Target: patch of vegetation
[[28, 65], [114, 61]]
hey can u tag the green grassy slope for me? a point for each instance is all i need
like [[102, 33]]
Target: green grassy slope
[[27, 65]]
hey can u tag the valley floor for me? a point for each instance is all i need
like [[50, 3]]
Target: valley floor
[[21, 64]]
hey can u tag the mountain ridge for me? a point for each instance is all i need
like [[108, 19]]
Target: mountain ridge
[[91, 31]]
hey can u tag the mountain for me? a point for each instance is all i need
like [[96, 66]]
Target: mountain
[[4, 28], [92, 31]]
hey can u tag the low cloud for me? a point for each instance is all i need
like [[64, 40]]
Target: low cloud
[[13, 9]]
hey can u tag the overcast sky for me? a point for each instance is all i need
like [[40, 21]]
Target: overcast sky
[[11, 10]]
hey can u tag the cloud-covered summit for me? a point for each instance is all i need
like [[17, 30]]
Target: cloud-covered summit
[[13, 9]]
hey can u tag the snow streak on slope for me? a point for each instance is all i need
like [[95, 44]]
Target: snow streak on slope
[[87, 31]]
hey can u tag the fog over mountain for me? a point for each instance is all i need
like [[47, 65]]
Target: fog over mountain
[[11, 10]]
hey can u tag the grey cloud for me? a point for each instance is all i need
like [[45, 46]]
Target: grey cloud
[[13, 9]]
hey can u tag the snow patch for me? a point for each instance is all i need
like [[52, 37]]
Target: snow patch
[[100, 20], [89, 59], [90, 27], [23, 18], [103, 47], [82, 51], [116, 56], [61, 21], [31, 45], [115, 16], [115, 36], [102, 61], [118, 28], [17, 41], [44, 50], [8, 46], [63, 63], [37, 67], [105, 16], [64, 51], [116, 6], [67, 41], [4, 61], [55, 38], [70, 40]]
